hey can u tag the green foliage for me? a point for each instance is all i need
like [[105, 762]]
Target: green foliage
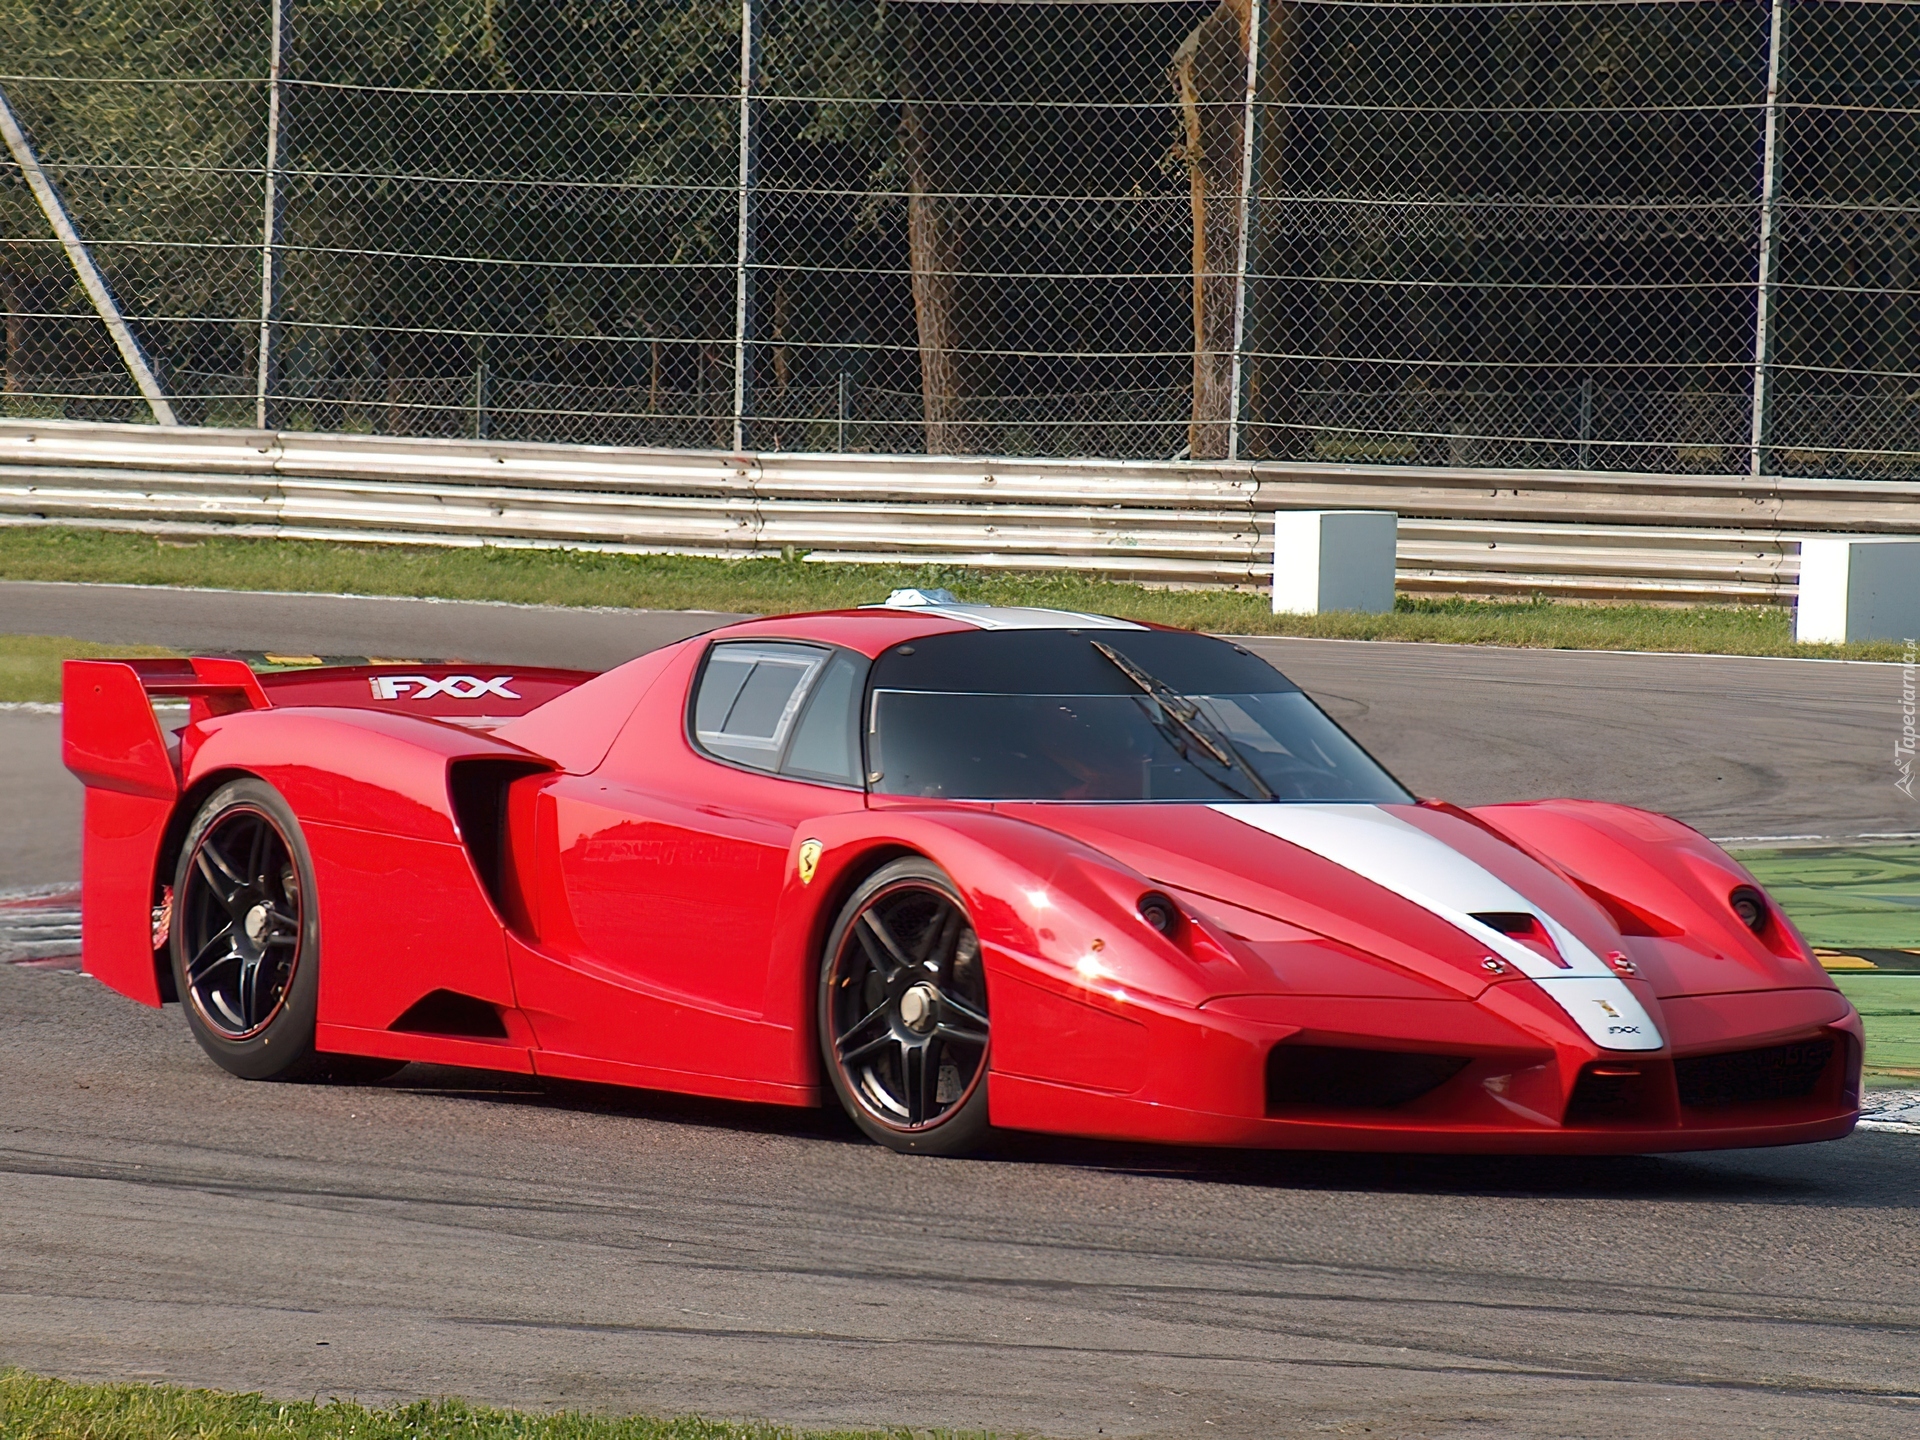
[[152, 131]]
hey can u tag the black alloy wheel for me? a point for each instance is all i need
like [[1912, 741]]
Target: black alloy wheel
[[240, 917], [245, 940], [903, 1012]]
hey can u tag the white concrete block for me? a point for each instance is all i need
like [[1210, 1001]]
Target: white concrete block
[[1333, 560], [1858, 587]]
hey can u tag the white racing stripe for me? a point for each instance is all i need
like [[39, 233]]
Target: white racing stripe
[[1416, 866], [1015, 617]]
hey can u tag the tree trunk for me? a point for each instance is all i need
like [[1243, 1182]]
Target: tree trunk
[[934, 249], [16, 293], [949, 158], [1210, 72]]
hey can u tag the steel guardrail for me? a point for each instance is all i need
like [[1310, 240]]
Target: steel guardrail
[[1577, 535]]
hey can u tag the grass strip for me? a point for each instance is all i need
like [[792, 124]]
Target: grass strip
[[775, 585], [30, 664], [1889, 1007], [35, 1408], [1859, 896], [1841, 897]]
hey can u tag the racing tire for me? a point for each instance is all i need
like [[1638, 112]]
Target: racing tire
[[244, 940], [902, 1012]]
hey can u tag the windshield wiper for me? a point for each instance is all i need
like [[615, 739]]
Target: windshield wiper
[[1192, 721]]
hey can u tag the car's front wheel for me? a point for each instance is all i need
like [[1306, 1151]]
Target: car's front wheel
[[903, 1012]]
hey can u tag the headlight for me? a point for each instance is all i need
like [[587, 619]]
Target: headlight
[[1160, 912], [1752, 908]]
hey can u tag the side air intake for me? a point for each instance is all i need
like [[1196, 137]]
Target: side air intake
[[478, 789], [447, 1012]]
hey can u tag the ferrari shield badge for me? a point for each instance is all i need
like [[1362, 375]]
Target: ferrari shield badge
[[809, 860]]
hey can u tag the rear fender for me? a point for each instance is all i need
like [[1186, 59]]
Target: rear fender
[[408, 861]]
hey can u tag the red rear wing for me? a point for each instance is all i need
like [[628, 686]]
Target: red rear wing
[[112, 739], [477, 695], [110, 736]]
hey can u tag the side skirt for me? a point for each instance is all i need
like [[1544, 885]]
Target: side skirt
[[430, 1049]]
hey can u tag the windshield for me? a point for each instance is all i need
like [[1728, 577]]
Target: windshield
[[998, 746]]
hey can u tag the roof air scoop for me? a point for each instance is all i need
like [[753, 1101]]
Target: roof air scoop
[[913, 599]]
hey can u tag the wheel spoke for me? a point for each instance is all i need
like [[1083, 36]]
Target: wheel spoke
[[227, 1010], [257, 854], [226, 886], [889, 957], [930, 1057], [913, 1090], [209, 850], [962, 1013], [960, 1034], [199, 967], [866, 1035], [936, 946], [247, 992], [873, 1045]]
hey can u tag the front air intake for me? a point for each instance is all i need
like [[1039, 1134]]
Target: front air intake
[[1619, 1093], [1753, 1077], [1332, 1077]]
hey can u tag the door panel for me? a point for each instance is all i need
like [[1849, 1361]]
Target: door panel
[[679, 895], [660, 875]]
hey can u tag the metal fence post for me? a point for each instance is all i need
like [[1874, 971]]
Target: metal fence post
[[1249, 152], [845, 406], [47, 194], [1763, 269], [1586, 422], [743, 259], [270, 227], [480, 396]]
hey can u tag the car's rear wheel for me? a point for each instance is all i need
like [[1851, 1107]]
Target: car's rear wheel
[[245, 940], [903, 1012]]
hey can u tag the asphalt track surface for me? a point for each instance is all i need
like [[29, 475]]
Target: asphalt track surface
[[545, 1244]]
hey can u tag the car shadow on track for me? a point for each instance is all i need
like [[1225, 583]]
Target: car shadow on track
[[1868, 1171]]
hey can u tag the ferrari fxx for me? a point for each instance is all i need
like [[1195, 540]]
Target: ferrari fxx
[[951, 867]]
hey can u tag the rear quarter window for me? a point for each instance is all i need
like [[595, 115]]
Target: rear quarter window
[[783, 707]]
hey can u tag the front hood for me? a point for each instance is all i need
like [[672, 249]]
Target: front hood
[[1400, 882]]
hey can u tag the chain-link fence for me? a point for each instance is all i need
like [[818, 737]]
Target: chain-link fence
[[1649, 234]]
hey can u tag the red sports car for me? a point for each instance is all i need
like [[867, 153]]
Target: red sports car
[[962, 867]]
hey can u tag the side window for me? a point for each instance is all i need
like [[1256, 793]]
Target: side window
[[826, 742], [750, 695]]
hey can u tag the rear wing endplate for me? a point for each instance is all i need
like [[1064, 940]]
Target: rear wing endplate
[[111, 737]]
